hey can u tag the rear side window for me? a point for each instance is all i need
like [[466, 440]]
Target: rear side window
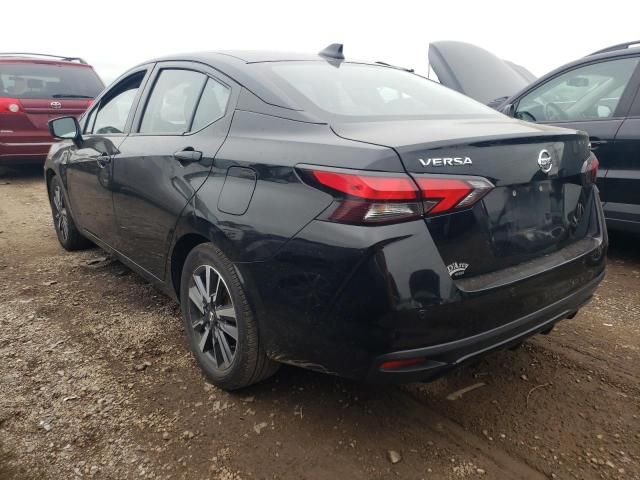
[[213, 104], [44, 81], [172, 102], [110, 117]]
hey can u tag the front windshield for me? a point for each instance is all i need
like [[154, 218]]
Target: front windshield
[[354, 91]]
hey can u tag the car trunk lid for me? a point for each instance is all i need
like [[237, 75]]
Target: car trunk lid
[[529, 213], [40, 110]]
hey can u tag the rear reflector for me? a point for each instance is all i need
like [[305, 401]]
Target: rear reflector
[[395, 364], [9, 105]]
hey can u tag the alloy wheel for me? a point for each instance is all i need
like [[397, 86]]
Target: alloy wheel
[[213, 316], [60, 214]]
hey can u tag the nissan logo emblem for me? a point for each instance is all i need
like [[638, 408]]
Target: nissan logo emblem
[[545, 162], [55, 105]]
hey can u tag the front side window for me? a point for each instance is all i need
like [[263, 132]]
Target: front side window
[[172, 102], [112, 113], [586, 93], [357, 92]]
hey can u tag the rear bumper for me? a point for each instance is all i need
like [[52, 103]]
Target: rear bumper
[[438, 359], [19, 148], [343, 299]]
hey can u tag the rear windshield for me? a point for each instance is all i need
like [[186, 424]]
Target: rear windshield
[[23, 80], [354, 91]]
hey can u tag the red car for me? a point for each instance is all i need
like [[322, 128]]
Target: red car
[[33, 89]]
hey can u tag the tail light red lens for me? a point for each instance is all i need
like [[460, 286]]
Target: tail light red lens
[[10, 105], [366, 198], [368, 186], [590, 170], [443, 193]]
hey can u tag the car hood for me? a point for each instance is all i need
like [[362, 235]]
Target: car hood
[[477, 73]]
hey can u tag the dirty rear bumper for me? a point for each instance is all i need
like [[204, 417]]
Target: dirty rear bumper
[[343, 299], [438, 359]]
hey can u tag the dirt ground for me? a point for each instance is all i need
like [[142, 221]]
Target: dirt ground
[[96, 381]]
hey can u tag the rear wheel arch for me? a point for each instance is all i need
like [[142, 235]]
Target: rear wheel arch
[[191, 232], [181, 249]]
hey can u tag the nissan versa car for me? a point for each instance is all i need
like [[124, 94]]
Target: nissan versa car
[[35, 88], [350, 218], [599, 93]]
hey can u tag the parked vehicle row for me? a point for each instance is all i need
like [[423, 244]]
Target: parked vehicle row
[[351, 218]]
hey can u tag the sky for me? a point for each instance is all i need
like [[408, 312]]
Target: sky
[[116, 35]]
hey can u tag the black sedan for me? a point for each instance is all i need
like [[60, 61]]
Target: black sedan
[[351, 218]]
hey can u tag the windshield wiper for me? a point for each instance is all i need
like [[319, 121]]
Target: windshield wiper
[[70, 95]]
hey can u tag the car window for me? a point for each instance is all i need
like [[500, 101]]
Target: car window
[[361, 92], [42, 81], [585, 93], [115, 106], [213, 104], [172, 102]]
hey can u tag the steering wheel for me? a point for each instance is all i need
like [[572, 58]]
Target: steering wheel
[[554, 112], [526, 116]]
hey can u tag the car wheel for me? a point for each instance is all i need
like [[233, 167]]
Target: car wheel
[[68, 235], [221, 329]]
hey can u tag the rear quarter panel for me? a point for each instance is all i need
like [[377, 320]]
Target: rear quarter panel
[[281, 204]]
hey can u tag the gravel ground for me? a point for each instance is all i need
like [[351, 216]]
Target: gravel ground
[[97, 382]]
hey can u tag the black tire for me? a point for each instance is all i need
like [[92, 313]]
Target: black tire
[[228, 362], [68, 235]]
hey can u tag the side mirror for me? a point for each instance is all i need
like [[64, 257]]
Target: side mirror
[[65, 128], [508, 109]]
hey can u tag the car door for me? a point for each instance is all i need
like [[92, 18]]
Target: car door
[[593, 97], [621, 186], [88, 168], [183, 119]]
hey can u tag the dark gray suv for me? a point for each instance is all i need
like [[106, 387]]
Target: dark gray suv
[[598, 94]]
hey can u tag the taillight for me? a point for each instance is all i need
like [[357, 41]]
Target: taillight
[[366, 198], [10, 105], [590, 170], [442, 193], [368, 186]]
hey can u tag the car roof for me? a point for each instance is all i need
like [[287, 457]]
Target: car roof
[[624, 52], [237, 64], [42, 58]]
